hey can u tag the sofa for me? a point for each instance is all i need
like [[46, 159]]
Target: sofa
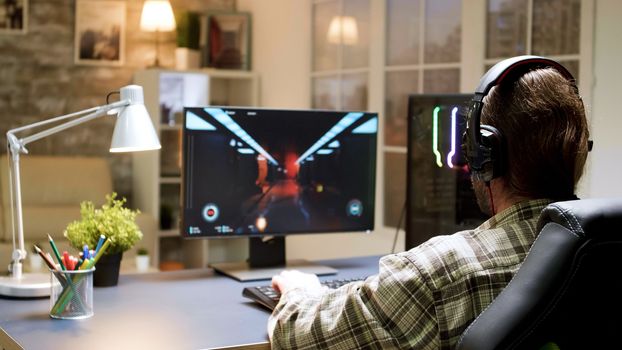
[[52, 189]]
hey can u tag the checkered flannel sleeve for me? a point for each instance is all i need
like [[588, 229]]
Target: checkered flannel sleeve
[[393, 309]]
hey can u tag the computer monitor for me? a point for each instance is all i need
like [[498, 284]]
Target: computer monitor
[[260, 173], [439, 194]]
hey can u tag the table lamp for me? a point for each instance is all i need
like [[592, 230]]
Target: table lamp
[[157, 16], [133, 132], [343, 30]]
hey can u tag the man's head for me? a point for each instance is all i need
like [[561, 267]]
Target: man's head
[[542, 122]]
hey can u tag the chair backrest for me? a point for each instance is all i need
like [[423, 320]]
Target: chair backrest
[[568, 291]]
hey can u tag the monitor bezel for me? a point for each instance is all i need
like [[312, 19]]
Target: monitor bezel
[[374, 179]]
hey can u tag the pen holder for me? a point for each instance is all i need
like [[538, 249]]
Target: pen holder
[[71, 296]]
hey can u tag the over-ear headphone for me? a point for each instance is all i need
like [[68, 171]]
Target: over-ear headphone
[[485, 145]]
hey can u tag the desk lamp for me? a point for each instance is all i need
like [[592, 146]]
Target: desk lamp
[[133, 132]]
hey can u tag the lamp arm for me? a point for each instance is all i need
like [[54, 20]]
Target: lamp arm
[[53, 120], [17, 146]]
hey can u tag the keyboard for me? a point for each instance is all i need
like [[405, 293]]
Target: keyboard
[[267, 297]]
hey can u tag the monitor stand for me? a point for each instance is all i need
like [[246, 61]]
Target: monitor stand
[[266, 259]]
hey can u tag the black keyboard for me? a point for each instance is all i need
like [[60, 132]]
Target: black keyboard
[[268, 297]]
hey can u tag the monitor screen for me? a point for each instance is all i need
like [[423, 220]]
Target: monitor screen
[[252, 172], [439, 195]]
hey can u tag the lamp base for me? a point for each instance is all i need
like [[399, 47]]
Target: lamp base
[[31, 285]]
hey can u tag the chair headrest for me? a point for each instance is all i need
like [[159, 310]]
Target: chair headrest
[[586, 217]]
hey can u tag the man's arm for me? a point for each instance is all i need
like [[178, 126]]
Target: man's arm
[[390, 310]]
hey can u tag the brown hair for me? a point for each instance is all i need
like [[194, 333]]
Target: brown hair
[[542, 119]]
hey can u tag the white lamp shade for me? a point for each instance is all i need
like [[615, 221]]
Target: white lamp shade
[[134, 130], [157, 15], [343, 30]]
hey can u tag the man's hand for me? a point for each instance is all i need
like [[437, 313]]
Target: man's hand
[[292, 279]]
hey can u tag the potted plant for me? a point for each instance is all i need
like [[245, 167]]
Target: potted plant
[[116, 223], [142, 260], [187, 54]]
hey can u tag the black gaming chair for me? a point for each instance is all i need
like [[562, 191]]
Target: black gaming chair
[[568, 292]]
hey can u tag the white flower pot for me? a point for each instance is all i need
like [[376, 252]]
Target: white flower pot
[[36, 262], [186, 58]]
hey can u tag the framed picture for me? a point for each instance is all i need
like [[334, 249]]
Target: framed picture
[[228, 40], [13, 16], [100, 32]]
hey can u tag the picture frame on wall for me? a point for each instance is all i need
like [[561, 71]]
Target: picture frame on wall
[[13, 16], [100, 32], [228, 39]]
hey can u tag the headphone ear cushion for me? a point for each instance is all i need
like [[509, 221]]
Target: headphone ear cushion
[[493, 140]]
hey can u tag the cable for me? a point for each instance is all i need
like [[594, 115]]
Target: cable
[[492, 204], [397, 229], [110, 94]]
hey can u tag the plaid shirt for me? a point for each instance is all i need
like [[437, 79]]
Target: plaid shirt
[[422, 299]]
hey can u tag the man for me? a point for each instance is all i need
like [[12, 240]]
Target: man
[[534, 138]]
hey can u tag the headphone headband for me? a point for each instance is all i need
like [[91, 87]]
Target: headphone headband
[[517, 65]]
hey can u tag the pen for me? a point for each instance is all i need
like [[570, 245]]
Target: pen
[[55, 250], [85, 252], [101, 252]]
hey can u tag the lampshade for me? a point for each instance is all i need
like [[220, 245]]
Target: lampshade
[[157, 15], [134, 130], [343, 30]]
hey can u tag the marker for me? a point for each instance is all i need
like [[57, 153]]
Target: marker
[[102, 238], [92, 262], [66, 260], [85, 251]]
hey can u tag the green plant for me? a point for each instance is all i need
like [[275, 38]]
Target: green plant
[[113, 220], [188, 27], [142, 251]]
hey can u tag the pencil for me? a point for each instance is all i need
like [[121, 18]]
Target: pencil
[[46, 259], [55, 250]]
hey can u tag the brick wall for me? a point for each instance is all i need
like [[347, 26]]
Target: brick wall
[[39, 80]]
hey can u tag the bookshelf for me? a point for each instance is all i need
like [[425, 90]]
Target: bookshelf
[[156, 179]]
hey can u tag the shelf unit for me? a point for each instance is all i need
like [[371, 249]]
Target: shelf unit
[[156, 180]]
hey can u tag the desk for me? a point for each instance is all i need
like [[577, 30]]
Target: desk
[[188, 309]]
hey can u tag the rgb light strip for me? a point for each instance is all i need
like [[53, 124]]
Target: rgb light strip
[[450, 156], [435, 137], [437, 109]]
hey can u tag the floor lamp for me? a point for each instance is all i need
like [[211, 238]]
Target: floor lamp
[[133, 132]]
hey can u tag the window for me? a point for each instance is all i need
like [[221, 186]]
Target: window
[[423, 47], [550, 28], [423, 44], [340, 54]]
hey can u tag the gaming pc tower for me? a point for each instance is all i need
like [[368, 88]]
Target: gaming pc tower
[[439, 198]]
